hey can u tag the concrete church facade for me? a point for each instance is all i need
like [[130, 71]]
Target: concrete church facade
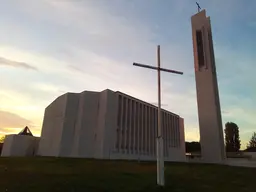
[[108, 125]]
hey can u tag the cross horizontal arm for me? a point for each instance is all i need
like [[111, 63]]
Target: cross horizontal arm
[[156, 68]]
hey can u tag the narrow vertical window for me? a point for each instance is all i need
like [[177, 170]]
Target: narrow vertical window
[[136, 127], [200, 48], [140, 127], [123, 123], [118, 121], [128, 124], [132, 127]]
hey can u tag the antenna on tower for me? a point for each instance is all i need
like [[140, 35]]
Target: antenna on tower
[[198, 7]]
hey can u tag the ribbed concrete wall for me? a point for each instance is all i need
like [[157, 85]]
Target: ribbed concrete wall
[[100, 125], [137, 130]]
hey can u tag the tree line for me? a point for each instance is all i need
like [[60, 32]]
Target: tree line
[[232, 141]]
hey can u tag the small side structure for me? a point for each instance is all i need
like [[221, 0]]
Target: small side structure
[[21, 144]]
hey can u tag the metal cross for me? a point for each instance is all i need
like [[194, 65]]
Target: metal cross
[[160, 155], [198, 6]]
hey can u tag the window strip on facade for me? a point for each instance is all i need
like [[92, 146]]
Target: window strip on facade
[[144, 130], [123, 125], [140, 128], [150, 131], [175, 129], [174, 134], [167, 131], [163, 130], [119, 115], [172, 131], [127, 130], [132, 127], [153, 130], [136, 127], [170, 128], [178, 132], [166, 135], [156, 129]]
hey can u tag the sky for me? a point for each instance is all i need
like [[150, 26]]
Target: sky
[[50, 47]]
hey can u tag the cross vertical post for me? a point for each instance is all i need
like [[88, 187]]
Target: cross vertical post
[[159, 139], [160, 158]]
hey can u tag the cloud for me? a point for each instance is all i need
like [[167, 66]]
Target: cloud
[[11, 120], [90, 45], [8, 62]]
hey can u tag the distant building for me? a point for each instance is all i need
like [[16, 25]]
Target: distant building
[[25, 131], [21, 144], [108, 125]]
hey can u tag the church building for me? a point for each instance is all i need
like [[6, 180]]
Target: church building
[[108, 125]]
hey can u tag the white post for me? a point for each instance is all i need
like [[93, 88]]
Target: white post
[[159, 139], [160, 158]]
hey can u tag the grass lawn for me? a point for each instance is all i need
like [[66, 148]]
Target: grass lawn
[[61, 174]]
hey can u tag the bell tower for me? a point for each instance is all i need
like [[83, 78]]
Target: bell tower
[[209, 112]]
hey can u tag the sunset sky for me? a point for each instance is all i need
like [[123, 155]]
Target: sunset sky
[[50, 47]]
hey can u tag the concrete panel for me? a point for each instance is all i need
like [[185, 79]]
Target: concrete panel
[[68, 129], [109, 132], [99, 131], [87, 123], [51, 134]]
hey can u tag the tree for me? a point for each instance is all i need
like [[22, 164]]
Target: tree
[[193, 147], [2, 139], [252, 142], [232, 139]]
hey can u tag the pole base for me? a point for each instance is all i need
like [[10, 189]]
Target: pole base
[[160, 162]]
